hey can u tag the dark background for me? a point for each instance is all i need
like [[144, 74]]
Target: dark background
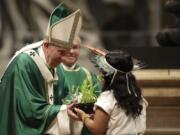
[[131, 25]]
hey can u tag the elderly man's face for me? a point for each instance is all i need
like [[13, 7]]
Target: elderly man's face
[[54, 54], [72, 56]]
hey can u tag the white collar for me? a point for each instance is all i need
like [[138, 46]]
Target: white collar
[[72, 68], [42, 56]]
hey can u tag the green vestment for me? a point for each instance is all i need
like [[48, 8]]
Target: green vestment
[[24, 109]]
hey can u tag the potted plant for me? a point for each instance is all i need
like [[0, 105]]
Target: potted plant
[[84, 97], [87, 97]]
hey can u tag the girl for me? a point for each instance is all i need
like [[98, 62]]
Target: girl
[[121, 108]]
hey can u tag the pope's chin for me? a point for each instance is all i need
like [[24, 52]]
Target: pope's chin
[[55, 64]]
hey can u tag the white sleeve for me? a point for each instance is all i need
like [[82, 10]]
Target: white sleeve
[[106, 101], [63, 125]]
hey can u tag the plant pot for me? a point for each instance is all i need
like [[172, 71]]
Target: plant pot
[[86, 107]]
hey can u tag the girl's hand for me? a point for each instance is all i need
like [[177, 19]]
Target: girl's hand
[[71, 114], [79, 112], [82, 115]]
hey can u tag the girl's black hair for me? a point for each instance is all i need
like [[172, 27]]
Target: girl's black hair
[[130, 101]]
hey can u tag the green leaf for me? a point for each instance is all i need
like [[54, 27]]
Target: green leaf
[[88, 92]]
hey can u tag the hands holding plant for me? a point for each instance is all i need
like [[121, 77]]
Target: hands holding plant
[[71, 113], [83, 102], [77, 114]]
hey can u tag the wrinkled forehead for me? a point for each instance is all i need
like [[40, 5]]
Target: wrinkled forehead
[[59, 48], [76, 43]]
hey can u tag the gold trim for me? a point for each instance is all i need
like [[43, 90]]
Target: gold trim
[[74, 27], [59, 43], [64, 44]]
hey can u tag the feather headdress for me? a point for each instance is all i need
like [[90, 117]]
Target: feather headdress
[[111, 62], [100, 53]]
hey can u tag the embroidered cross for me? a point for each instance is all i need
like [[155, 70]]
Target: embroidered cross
[[32, 53], [51, 97]]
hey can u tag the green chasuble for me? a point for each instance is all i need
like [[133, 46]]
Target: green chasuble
[[73, 79], [24, 109]]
